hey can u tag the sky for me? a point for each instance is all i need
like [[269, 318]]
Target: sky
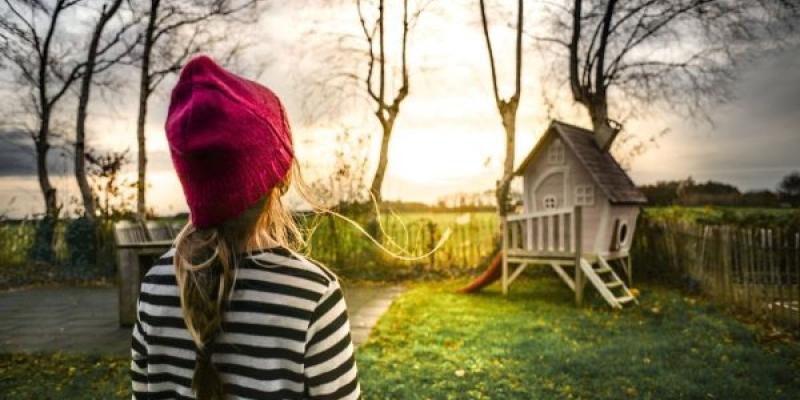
[[448, 137]]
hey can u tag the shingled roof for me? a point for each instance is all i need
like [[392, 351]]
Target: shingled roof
[[603, 168]]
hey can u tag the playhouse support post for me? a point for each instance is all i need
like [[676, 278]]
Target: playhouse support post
[[504, 254], [629, 270], [580, 278]]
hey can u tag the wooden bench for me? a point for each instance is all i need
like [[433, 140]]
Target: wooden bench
[[138, 245]]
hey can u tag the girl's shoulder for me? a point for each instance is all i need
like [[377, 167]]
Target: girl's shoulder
[[268, 266], [282, 260], [163, 268]]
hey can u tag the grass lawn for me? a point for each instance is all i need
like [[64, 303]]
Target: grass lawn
[[535, 344], [64, 376], [434, 344]]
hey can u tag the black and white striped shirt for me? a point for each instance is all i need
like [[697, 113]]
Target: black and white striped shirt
[[285, 334]]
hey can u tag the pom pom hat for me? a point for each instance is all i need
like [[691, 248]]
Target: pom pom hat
[[229, 139]]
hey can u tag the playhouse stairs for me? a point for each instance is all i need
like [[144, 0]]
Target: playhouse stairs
[[608, 283]]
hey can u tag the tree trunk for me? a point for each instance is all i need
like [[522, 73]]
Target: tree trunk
[[141, 183], [42, 249], [48, 191], [383, 160], [508, 114], [80, 165], [604, 131], [144, 95], [598, 112], [87, 196]]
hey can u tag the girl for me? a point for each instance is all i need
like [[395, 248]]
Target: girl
[[232, 311]]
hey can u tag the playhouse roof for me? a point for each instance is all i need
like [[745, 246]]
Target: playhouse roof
[[603, 168]]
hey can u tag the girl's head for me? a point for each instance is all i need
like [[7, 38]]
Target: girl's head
[[229, 139], [231, 146]]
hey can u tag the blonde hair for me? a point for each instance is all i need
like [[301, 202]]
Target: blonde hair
[[206, 263]]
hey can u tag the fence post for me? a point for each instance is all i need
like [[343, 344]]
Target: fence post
[[797, 276], [736, 266], [779, 266], [753, 270], [432, 242]]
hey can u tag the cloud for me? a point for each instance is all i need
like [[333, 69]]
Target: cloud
[[16, 154], [18, 158], [755, 139]]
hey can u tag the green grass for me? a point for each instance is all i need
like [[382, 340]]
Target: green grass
[[760, 216], [64, 376], [536, 344], [435, 344]]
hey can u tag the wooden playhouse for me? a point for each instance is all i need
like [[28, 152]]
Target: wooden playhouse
[[578, 215]]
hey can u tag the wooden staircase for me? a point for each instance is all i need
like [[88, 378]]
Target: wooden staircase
[[554, 238], [608, 283]]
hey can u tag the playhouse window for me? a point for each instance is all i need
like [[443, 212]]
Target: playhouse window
[[549, 202], [584, 195], [556, 153], [622, 235]]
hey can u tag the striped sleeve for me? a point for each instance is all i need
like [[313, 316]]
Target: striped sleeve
[[330, 368], [138, 359]]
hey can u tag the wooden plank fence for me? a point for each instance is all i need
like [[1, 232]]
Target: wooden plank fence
[[754, 269], [337, 244]]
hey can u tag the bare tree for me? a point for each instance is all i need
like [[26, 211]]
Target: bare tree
[[175, 31], [115, 195], [46, 69], [99, 57], [507, 107], [355, 65], [681, 52], [385, 111]]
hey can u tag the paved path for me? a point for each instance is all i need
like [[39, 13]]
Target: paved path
[[85, 319]]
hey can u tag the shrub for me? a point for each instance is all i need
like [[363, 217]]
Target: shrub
[[81, 242]]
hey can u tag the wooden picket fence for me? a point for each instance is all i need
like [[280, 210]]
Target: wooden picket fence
[[754, 269], [337, 244]]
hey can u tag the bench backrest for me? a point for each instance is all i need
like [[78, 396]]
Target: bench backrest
[[127, 232], [159, 231]]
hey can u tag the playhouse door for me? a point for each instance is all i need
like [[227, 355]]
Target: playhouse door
[[549, 192]]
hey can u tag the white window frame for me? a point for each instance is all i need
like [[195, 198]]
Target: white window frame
[[584, 195], [549, 197], [555, 155]]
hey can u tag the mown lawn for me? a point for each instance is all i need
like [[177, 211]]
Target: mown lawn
[[63, 376], [435, 344]]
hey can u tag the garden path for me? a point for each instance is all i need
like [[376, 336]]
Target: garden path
[[85, 320]]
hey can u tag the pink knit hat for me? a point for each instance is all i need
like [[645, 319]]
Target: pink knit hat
[[229, 139]]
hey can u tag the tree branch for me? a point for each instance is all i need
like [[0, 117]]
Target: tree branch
[[574, 80], [369, 36], [485, 25], [518, 71], [600, 88]]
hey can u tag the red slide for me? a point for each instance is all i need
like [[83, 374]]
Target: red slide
[[491, 274]]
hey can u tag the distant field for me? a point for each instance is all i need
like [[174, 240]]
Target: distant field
[[447, 217], [409, 234], [470, 237], [725, 215]]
